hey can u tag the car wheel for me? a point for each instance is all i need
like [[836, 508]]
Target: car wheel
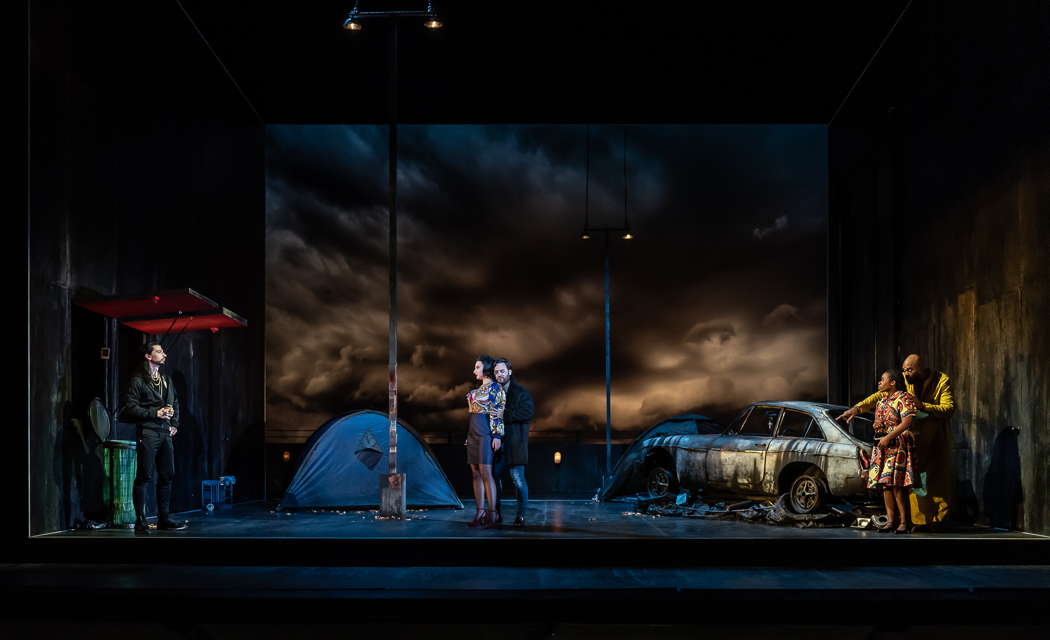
[[807, 492], [660, 482]]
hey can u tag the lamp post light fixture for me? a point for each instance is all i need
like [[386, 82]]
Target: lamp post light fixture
[[392, 499], [431, 20]]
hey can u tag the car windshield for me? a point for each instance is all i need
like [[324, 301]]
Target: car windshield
[[860, 427], [734, 425]]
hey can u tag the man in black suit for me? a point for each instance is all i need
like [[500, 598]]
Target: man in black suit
[[151, 404], [514, 454]]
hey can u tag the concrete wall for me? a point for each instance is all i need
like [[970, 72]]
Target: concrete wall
[[578, 476], [146, 173], [940, 165]]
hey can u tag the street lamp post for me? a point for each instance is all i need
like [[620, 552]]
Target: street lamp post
[[392, 487], [607, 232], [623, 232]]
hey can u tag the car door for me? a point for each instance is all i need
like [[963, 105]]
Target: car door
[[795, 441], [736, 460]]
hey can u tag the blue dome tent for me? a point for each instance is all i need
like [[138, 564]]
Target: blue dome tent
[[342, 461]]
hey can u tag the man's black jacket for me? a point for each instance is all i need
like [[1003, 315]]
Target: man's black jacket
[[517, 414], [143, 399]]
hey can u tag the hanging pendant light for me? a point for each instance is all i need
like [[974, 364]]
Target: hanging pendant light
[[432, 21], [352, 23]]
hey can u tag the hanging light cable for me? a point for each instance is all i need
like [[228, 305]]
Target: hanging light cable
[[626, 225], [586, 235]]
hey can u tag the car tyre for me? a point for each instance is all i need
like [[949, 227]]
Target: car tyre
[[807, 492], [660, 481]]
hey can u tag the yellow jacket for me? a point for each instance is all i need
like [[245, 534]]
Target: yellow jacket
[[935, 398], [933, 443]]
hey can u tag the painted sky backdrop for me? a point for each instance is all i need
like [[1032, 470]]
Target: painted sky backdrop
[[719, 301]]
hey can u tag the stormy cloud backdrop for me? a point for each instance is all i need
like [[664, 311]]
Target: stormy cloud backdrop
[[718, 301]]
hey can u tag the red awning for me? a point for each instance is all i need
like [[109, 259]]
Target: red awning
[[164, 312], [212, 321], [160, 303]]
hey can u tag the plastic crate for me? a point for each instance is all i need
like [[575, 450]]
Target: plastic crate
[[217, 493]]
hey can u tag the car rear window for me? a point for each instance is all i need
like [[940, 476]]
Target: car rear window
[[860, 427], [794, 424]]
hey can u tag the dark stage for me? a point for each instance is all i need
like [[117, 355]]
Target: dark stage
[[548, 520], [578, 566]]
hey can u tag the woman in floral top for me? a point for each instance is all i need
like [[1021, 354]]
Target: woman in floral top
[[484, 438], [893, 455]]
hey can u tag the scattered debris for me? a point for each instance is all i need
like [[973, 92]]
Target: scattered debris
[[637, 514], [90, 524], [765, 511]]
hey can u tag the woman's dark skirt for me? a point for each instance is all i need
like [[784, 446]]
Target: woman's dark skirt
[[479, 440]]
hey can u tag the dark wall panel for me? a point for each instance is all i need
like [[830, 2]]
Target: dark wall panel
[[960, 95], [146, 171]]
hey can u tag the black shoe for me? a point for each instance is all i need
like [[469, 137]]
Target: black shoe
[[519, 521], [498, 517], [170, 525], [141, 527]]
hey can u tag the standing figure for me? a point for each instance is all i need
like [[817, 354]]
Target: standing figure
[[934, 491], [151, 404], [484, 438], [515, 452], [893, 454]]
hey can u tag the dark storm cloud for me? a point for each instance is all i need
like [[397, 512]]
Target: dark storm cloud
[[708, 312]]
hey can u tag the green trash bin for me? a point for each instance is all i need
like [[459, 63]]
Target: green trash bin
[[119, 463]]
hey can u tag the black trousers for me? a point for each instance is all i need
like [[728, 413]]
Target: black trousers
[[517, 476], [156, 456]]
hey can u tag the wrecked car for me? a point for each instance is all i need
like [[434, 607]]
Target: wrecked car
[[629, 474], [770, 448]]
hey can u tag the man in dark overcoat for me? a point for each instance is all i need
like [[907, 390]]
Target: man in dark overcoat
[[514, 454]]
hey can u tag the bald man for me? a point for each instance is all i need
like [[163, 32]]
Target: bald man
[[931, 503]]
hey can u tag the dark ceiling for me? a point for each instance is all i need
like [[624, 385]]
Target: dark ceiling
[[543, 62]]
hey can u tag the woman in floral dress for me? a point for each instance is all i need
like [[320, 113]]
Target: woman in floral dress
[[484, 438], [893, 454]]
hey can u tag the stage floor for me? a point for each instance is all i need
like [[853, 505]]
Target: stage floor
[[578, 561], [547, 519]]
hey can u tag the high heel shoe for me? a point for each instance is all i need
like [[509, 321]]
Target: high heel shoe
[[903, 529], [481, 518], [889, 526]]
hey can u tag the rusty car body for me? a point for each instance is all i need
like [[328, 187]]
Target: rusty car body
[[770, 448]]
